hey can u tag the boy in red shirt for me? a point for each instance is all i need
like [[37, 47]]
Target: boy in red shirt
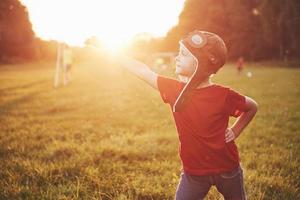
[[201, 110], [240, 65]]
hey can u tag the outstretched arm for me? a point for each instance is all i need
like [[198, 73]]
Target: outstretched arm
[[139, 69], [242, 121]]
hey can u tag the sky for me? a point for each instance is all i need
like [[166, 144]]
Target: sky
[[114, 22]]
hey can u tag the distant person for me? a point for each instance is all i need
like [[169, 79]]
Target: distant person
[[201, 110], [240, 65], [67, 63]]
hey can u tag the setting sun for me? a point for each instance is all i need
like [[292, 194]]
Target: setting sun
[[114, 22]]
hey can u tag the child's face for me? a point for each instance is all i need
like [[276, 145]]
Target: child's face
[[185, 63]]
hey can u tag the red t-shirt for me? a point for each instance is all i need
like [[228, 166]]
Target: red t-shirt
[[201, 126]]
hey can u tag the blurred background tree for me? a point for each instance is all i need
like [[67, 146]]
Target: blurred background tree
[[257, 29], [17, 39]]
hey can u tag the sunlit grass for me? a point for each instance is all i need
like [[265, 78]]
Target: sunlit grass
[[108, 135]]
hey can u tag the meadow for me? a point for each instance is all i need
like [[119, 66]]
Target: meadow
[[108, 135]]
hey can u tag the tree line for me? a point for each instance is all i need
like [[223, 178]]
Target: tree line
[[255, 29], [18, 42]]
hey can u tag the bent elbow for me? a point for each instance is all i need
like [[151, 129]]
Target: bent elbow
[[251, 105], [254, 107]]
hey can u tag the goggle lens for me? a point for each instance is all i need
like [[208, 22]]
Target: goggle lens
[[196, 39]]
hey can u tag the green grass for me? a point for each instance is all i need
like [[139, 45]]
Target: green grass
[[109, 136]]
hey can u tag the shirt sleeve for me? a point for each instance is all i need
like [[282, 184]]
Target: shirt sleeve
[[169, 89], [235, 103]]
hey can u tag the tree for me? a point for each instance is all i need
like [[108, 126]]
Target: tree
[[280, 22], [256, 29], [16, 34]]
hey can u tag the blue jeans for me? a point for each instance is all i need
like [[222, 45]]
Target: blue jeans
[[229, 184]]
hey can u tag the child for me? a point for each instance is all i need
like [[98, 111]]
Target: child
[[201, 110], [240, 65], [67, 63]]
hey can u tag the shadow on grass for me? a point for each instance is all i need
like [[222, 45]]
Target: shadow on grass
[[277, 192], [4, 108], [28, 85]]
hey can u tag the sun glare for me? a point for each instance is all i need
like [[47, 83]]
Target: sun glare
[[114, 22]]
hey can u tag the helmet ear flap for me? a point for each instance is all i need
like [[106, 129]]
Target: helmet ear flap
[[213, 60]]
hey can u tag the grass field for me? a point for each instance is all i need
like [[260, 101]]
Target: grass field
[[108, 135]]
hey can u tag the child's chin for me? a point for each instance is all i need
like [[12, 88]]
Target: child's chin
[[178, 71]]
